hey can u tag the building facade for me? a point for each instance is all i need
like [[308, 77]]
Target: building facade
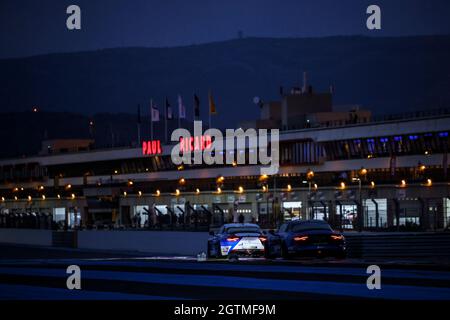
[[384, 175]]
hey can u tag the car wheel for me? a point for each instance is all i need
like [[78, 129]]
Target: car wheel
[[284, 252], [267, 254], [342, 255], [209, 255], [218, 252]]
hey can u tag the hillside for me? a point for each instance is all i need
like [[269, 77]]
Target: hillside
[[384, 74]]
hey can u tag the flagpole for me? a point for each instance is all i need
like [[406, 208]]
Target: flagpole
[[209, 117], [151, 119], [139, 125], [210, 102], [139, 133], [165, 122], [179, 115], [193, 106]]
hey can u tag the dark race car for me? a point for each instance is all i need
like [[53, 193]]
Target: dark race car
[[242, 239], [306, 238]]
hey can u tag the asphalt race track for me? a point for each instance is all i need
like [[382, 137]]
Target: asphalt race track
[[28, 273]]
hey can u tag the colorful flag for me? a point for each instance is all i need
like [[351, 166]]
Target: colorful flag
[[212, 105], [181, 108], [169, 114], [154, 113], [196, 106]]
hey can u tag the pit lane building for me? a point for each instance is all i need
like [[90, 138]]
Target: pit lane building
[[347, 167]]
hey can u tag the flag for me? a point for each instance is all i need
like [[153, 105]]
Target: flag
[[196, 106], [154, 113], [212, 105], [139, 114], [169, 114], [181, 108]]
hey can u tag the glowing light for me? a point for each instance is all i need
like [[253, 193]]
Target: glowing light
[[310, 174], [116, 172], [342, 185], [3, 199], [177, 192], [130, 182], [72, 195], [69, 186], [182, 181], [29, 198], [15, 198], [197, 191], [41, 188], [264, 188], [59, 196], [403, 183], [219, 190], [315, 186], [140, 193], [263, 177], [124, 193], [158, 193], [289, 187], [372, 184], [240, 189], [429, 182], [181, 167], [43, 197], [152, 147], [234, 163], [363, 171], [220, 179], [197, 143], [15, 189], [422, 167]]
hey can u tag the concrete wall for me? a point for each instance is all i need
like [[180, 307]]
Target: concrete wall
[[26, 236], [155, 242]]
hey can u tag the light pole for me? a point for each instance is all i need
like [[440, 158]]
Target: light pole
[[309, 176], [362, 173]]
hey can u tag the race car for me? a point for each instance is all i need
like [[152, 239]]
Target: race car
[[241, 239], [306, 238]]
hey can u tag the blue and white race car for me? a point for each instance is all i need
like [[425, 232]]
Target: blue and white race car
[[242, 239]]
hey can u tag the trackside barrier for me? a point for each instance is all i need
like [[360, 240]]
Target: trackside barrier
[[366, 245], [398, 245], [153, 242], [26, 236]]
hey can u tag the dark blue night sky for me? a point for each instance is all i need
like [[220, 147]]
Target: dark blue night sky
[[35, 27]]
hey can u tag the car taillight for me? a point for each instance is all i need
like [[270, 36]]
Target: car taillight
[[233, 239], [302, 238], [262, 239], [337, 237]]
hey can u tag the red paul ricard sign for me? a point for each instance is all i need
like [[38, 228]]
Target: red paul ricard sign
[[191, 144], [151, 147], [197, 143]]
